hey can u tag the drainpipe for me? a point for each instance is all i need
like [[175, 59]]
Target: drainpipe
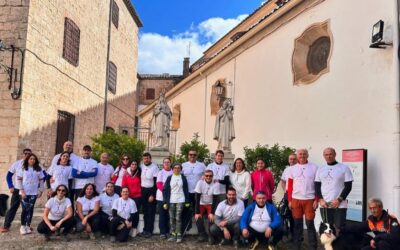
[[107, 69], [396, 139]]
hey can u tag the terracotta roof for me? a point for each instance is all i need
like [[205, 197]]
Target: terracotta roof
[[133, 13]]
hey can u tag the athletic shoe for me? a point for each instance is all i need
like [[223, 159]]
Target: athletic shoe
[[22, 230], [112, 239], [179, 238], [134, 232], [92, 236], [172, 237], [163, 236], [4, 230], [254, 245], [236, 244], [28, 230], [201, 238]]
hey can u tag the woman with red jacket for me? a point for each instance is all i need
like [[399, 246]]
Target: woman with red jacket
[[133, 182], [262, 180]]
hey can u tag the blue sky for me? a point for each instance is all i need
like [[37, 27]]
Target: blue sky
[[171, 25]]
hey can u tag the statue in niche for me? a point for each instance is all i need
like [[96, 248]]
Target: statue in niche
[[224, 131], [159, 128]]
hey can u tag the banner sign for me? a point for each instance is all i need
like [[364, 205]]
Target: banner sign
[[356, 159]]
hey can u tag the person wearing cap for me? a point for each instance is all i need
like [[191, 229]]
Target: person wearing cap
[[84, 171], [260, 222]]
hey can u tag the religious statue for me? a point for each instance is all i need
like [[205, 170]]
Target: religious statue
[[161, 119], [224, 131]]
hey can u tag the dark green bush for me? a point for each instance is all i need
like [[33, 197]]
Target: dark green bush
[[201, 148]]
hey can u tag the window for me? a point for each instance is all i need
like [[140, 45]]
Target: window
[[65, 129], [125, 132], [112, 77], [150, 94], [115, 14], [71, 42], [110, 129]]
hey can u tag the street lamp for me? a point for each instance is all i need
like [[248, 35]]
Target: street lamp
[[219, 89], [377, 41]]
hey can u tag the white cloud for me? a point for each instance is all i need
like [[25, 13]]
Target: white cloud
[[164, 54]]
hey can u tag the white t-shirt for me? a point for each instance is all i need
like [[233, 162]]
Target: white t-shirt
[[14, 169], [303, 176], [88, 204], [162, 177], [60, 174], [260, 220], [124, 207], [206, 190], [57, 208], [122, 171], [177, 194], [193, 173], [332, 180], [73, 159], [148, 174], [104, 173], [230, 212], [242, 183], [219, 171], [85, 165], [106, 202], [285, 176], [31, 180]]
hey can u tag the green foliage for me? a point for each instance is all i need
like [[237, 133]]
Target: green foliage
[[116, 145], [275, 158], [203, 153]]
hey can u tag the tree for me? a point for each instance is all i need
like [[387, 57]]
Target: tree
[[275, 158], [203, 153], [116, 145]]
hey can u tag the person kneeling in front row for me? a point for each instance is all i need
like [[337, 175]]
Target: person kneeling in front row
[[123, 213], [226, 220], [57, 214], [260, 222]]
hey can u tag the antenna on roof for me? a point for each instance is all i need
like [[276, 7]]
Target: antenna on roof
[[188, 49]]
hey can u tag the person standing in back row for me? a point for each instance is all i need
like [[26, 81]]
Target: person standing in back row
[[221, 175], [262, 180], [84, 171]]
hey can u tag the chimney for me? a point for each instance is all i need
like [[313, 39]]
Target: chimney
[[186, 63]]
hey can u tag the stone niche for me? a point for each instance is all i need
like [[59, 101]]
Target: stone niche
[[176, 116], [215, 102], [311, 54]]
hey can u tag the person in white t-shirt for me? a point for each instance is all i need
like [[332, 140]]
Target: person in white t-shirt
[[104, 173], [57, 213], [123, 213], [163, 219], [14, 190], [84, 171], [302, 198], [333, 183], [31, 179], [148, 180], [221, 174], [292, 160], [261, 222], [226, 220], [193, 171], [240, 180], [87, 211], [58, 174], [120, 172], [67, 147], [205, 205], [107, 199]]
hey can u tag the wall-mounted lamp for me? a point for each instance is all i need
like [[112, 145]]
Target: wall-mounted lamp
[[14, 85], [377, 41], [220, 88]]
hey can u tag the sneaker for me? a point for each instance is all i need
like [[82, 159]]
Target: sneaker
[[201, 238], [134, 232], [270, 247], [4, 230], [112, 239], [236, 244], [172, 237], [179, 238], [147, 235], [163, 236], [28, 230], [254, 245], [92, 236], [22, 230], [224, 242]]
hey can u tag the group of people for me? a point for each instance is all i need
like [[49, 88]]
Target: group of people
[[86, 196]]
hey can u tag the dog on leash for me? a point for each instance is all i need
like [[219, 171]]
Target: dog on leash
[[327, 236]]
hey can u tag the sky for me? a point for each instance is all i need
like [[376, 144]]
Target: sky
[[169, 26]]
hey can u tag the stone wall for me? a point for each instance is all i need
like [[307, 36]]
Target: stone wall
[[13, 28], [158, 83]]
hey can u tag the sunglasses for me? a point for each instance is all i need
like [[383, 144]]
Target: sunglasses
[[61, 190], [208, 175]]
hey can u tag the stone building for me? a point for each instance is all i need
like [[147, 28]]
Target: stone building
[[74, 61], [305, 74]]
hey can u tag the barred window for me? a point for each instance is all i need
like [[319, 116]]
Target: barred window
[[112, 77], [115, 14], [150, 94], [71, 42]]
